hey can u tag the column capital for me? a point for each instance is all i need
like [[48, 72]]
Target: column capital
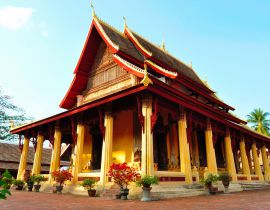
[[228, 133], [182, 113], [208, 124]]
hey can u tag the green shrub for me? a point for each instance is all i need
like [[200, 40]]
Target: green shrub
[[224, 177], [88, 184], [146, 181], [18, 182], [3, 192], [211, 178], [7, 179], [38, 179]]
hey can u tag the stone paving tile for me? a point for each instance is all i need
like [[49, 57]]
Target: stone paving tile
[[43, 201]]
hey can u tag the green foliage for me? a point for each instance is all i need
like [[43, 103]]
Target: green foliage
[[211, 178], [146, 181], [3, 191], [88, 184], [258, 119], [18, 182], [28, 178], [7, 179], [224, 176], [38, 179], [10, 113]]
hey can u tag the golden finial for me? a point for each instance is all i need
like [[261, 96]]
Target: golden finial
[[125, 21], [190, 64], [93, 9], [163, 47], [146, 80], [205, 81]]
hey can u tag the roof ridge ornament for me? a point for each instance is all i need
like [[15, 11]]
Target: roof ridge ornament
[[125, 22], [93, 9], [146, 80], [163, 46]]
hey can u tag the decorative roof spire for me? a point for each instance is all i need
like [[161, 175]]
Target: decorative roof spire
[[190, 64], [125, 22], [146, 80], [163, 47], [93, 9]]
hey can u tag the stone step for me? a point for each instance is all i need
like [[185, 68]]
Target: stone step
[[255, 186]]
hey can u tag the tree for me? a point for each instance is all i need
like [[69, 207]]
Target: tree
[[10, 114], [259, 121]]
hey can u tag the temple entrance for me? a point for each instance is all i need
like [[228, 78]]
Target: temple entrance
[[220, 152], [160, 145], [202, 148], [97, 140]]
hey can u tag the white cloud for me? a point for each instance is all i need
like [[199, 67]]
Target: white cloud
[[14, 17]]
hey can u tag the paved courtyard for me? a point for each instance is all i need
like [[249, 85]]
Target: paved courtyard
[[43, 201]]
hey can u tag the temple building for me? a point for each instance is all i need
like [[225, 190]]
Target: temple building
[[131, 101]]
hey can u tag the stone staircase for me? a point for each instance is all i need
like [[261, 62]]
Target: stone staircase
[[169, 190], [255, 185]]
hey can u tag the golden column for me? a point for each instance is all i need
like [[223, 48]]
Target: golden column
[[107, 147], [265, 164], [210, 150], [196, 150], [256, 162], [38, 154], [78, 151], [229, 155], [55, 160], [244, 159], [147, 165], [23, 160], [184, 147]]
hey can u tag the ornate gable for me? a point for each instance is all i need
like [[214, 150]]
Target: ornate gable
[[105, 76]]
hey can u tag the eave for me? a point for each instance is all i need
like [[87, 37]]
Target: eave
[[172, 97], [167, 88], [79, 109]]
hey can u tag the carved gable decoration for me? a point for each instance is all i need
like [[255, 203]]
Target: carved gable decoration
[[106, 77], [104, 68]]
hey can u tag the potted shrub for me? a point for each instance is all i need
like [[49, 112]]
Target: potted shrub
[[208, 181], [88, 184], [3, 191], [122, 175], [19, 184], [7, 179], [146, 182], [29, 180], [225, 178], [60, 176], [38, 179]]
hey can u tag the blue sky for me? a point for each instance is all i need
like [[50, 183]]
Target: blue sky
[[228, 43]]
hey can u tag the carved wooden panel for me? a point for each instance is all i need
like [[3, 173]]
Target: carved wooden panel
[[104, 68]]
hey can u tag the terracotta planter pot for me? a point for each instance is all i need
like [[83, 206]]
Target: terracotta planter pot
[[226, 184], [37, 187], [59, 189], [124, 194], [92, 193], [146, 194], [19, 187], [30, 187]]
